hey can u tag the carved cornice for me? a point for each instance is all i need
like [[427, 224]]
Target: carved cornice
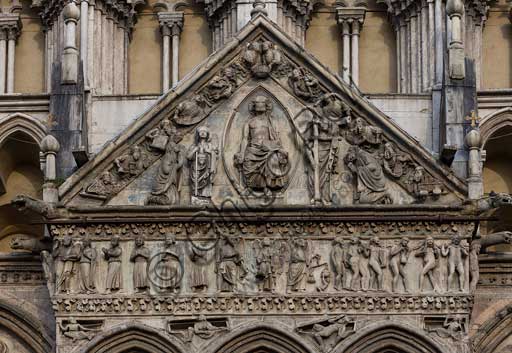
[[223, 304], [21, 269]]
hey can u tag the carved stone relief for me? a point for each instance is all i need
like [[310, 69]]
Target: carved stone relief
[[203, 328], [327, 333], [75, 330], [324, 132], [202, 158], [279, 258]]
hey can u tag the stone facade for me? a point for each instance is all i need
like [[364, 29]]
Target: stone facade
[[262, 202]]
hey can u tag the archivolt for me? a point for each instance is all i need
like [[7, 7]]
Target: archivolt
[[260, 338], [26, 328], [493, 332], [24, 123], [495, 121], [388, 338], [130, 338]]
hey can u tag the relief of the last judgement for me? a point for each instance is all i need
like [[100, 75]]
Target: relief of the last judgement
[[265, 200]]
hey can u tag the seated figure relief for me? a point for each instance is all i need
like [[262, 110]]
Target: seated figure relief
[[262, 161]]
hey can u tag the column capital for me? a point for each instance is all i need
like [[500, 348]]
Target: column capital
[[171, 22], [350, 15], [10, 26]]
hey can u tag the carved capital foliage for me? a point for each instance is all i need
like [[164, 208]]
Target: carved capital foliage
[[171, 23], [10, 26]]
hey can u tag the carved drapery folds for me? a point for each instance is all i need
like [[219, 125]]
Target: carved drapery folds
[[10, 30], [292, 263], [333, 140]]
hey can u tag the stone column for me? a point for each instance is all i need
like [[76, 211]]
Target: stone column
[[171, 24], [456, 55], [345, 30], [351, 19], [166, 64], [71, 15], [12, 34], [3, 59], [355, 51], [50, 147], [473, 141], [175, 34]]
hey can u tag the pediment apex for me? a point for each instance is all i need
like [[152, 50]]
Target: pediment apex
[[196, 81]]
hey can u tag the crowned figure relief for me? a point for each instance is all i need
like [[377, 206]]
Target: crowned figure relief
[[262, 161]]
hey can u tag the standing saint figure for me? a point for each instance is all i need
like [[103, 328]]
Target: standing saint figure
[[167, 183], [370, 184], [321, 151], [262, 161], [228, 261], [139, 257], [429, 251], [456, 253], [88, 268], [398, 259], [202, 158], [114, 270], [298, 268], [168, 268], [70, 256]]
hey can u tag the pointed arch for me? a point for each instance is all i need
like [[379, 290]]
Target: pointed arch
[[19, 122], [25, 328], [494, 122], [254, 338], [132, 337], [493, 332], [389, 338]]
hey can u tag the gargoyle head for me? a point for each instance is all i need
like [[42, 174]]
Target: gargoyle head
[[22, 243], [20, 202], [500, 199]]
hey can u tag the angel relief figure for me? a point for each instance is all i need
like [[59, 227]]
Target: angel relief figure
[[270, 259], [262, 57], [262, 161]]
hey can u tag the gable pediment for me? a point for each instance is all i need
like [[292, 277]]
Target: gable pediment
[[261, 120]]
